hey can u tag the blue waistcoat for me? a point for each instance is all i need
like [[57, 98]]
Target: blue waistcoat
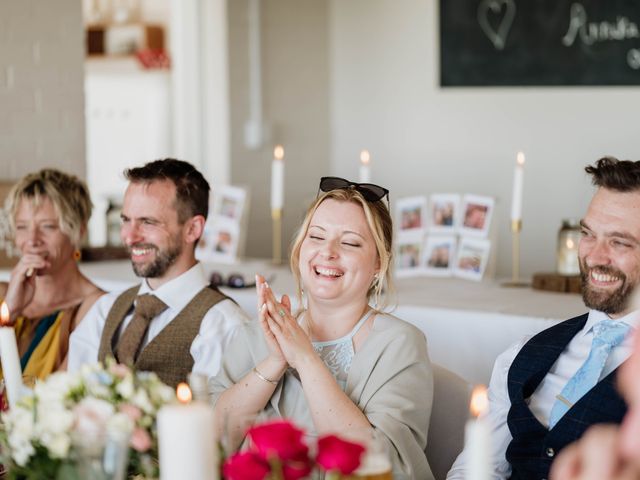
[[534, 446]]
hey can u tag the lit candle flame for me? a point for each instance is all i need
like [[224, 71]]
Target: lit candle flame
[[4, 314], [365, 157], [183, 392], [479, 401], [278, 152], [520, 158], [570, 243]]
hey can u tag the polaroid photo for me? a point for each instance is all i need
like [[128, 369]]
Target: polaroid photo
[[409, 254], [411, 213], [444, 212], [219, 243], [472, 258], [439, 255], [229, 202], [476, 215]]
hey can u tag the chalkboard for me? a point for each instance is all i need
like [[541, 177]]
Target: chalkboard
[[539, 42]]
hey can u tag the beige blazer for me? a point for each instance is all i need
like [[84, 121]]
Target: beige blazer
[[390, 380]]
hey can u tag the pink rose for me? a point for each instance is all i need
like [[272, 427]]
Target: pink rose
[[131, 411], [336, 454], [119, 370], [279, 438], [91, 416], [245, 466], [140, 440]]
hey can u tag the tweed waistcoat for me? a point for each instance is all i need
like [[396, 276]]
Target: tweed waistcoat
[[168, 353], [534, 446]]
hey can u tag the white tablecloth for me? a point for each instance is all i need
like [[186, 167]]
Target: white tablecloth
[[467, 324]]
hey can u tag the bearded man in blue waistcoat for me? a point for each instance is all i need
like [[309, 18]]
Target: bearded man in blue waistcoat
[[545, 391]]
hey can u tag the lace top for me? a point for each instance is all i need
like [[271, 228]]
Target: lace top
[[338, 354]]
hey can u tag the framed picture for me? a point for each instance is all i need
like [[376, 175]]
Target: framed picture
[[409, 254], [224, 233], [411, 213], [471, 261], [476, 215], [229, 202], [444, 212], [439, 255], [219, 243]]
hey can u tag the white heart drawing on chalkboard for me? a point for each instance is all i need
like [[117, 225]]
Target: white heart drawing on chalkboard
[[494, 7]]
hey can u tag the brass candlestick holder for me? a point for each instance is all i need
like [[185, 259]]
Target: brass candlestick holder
[[516, 227], [276, 219]]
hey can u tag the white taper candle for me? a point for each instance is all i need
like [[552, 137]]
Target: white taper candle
[[277, 178], [516, 201]]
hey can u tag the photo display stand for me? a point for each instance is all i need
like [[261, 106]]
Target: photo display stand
[[448, 235], [224, 235]]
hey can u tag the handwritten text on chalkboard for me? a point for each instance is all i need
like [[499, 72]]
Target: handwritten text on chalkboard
[[539, 42]]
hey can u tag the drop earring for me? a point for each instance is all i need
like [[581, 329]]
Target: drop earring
[[303, 298]]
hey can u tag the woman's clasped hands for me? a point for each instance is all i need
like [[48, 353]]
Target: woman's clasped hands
[[286, 339]]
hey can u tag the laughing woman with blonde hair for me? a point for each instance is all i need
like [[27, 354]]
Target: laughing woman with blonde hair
[[47, 294], [341, 364]]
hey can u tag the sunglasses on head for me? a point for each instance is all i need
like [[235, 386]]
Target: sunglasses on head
[[370, 191], [234, 280]]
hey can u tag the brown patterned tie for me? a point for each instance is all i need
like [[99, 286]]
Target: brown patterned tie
[[147, 308]]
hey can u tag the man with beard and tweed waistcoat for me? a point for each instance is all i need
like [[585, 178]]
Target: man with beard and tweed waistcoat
[[545, 391], [173, 322]]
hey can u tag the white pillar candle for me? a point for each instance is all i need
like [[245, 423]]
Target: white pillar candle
[[9, 358], [365, 167], [277, 178], [477, 438], [516, 201], [186, 441]]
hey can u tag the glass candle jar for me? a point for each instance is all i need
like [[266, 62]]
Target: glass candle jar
[[567, 251]]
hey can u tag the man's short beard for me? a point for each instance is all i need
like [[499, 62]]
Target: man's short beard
[[157, 268], [610, 303]]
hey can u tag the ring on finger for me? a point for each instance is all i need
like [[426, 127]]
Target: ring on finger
[[281, 312]]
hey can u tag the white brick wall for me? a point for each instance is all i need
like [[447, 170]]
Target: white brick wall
[[41, 87]]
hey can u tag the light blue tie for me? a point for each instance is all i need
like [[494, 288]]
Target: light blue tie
[[606, 335]]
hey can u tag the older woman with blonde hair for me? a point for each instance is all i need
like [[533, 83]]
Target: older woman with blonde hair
[[340, 364], [47, 295]]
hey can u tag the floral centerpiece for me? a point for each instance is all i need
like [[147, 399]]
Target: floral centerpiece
[[42, 436], [278, 452]]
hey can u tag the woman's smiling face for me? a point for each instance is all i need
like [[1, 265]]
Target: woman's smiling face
[[338, 257]]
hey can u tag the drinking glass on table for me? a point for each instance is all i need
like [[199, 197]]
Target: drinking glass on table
[[375, 464], [101, 455]]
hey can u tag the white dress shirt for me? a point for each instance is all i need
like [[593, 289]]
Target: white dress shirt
[[216, 330], [542, 400]]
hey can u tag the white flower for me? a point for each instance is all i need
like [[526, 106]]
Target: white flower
[[22, 453], [58, 445], [91, 416], [54, 419], [19, 423], [141, 400], [161, 393], [56, 388], [125, 388], [120, 424]]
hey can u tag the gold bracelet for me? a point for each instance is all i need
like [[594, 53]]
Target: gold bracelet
[[262, 377]]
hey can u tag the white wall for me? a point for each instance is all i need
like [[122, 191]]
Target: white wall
[[41, 93], [385, 96], [295, 93]]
